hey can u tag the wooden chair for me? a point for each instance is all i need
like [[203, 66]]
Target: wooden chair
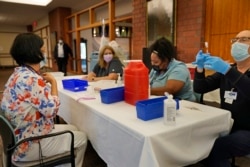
[[10, 144]]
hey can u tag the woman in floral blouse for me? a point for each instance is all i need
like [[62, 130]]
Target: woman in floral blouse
[[31, 104]]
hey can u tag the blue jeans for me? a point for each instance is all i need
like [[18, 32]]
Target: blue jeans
[[236, 144]]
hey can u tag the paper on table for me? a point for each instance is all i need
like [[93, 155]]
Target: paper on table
[[103, 84], [88, 95]]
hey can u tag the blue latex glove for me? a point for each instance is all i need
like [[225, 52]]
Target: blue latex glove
[[216, 64], [200, 59]]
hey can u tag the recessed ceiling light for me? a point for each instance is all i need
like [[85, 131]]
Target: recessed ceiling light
[[30, 2]]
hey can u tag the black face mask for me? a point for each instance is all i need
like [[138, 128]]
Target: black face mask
[[156, 68]]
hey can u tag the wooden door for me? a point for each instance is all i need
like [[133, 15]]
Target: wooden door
[[224, 19]]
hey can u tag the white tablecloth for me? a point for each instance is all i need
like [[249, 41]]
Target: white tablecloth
[[213, 96], [123, 140]]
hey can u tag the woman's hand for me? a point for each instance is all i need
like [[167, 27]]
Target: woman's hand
[[49, 78], [91, 77], [85, 77]]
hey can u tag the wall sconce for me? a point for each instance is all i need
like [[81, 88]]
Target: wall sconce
[[117, 32], [123, 32], [120, 31], [94, 32]]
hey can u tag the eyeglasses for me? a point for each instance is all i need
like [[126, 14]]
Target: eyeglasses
[[240, 39]]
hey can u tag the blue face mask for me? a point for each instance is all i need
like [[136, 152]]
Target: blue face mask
[[239, 51]]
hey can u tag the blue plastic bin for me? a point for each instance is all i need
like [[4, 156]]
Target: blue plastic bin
[[75, 85], [150, 109], [112, 95]]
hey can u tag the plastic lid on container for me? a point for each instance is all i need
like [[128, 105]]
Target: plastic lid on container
[[166, 94], [128, 61]]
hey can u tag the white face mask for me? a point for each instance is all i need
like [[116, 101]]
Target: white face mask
[[239, 51], [43, 62]]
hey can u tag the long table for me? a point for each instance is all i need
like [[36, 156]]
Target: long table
[[123, 140]]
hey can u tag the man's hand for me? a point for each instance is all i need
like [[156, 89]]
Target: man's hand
[[216, 64], [200, 59]]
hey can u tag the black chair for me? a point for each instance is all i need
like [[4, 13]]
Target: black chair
[[233, 164], [10, 144]]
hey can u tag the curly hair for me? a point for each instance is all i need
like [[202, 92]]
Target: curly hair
[[26, 49], [164, 49]]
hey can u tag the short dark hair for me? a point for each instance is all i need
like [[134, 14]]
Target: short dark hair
[[26, 49], [164, 49]]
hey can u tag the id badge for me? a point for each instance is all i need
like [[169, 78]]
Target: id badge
[[229, 101], [230, 95]]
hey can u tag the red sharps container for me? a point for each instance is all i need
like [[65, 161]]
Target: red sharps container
[[136, 82]]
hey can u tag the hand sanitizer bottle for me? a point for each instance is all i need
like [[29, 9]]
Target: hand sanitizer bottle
[[169, 111], [119, 80]]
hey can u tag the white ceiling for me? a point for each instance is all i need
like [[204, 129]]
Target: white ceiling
[[22, 15]]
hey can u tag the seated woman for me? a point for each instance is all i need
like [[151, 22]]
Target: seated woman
[[168, 74], [108, 67], [31, 105]]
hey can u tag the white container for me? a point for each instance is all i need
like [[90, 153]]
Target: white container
[[58, 75], [169, 111], [149, 91], [119, 80]]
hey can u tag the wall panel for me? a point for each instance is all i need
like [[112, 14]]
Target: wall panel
[[224, 19], [6, 41]]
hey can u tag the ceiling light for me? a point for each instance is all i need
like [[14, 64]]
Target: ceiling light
[[30, 2]]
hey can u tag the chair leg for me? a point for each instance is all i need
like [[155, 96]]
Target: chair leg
[[57, 119], [233, 164]]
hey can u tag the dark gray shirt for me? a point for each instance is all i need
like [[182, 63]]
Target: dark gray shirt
[[115, 66]]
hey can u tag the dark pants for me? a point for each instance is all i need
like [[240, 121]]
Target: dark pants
[[62, 65], [236, 144]]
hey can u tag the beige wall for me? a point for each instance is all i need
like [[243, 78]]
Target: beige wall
[[42, 23], [5, 45], [8, 34]]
